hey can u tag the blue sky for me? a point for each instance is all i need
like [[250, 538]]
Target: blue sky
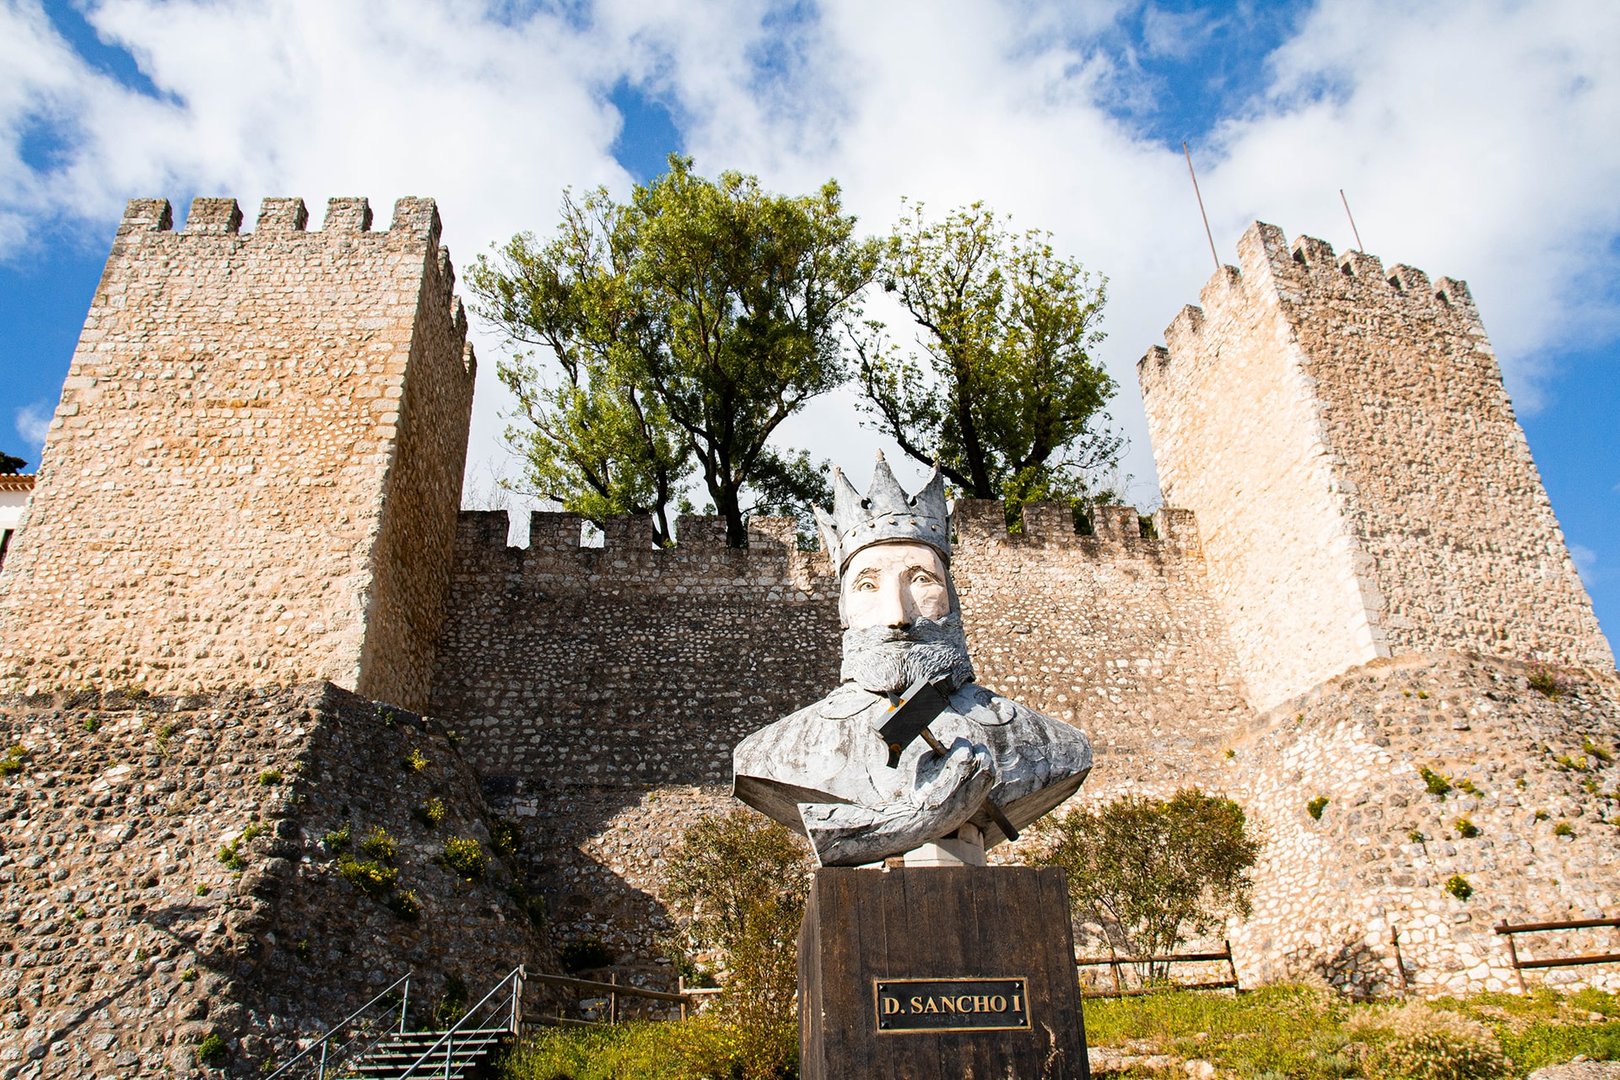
[[1473, 140]]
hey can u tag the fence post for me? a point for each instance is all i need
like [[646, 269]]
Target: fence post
[[680, 988], [613, 998], [1231, 965], [1113, 967], [1400, 962], [404, 1002], [1513, 955]]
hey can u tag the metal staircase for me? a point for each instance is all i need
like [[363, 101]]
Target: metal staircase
[[368, 1043]]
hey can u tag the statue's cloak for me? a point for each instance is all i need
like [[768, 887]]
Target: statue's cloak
[[830, 752]]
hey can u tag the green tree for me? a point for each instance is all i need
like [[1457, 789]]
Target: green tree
[[1154, 872], [1007, 397], [741, 882], [687, 324]]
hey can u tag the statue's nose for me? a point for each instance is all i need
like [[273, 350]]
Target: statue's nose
[[896, 613]]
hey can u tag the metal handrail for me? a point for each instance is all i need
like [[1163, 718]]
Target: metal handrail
[[447, 1040], [323, 1043]]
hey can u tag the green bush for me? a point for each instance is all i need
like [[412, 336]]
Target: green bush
[[415, 761], [270, 777], [14, 760], [367, 875], [1418, 1042], [1458, 886], [739, 884], [504, 838], [431, 813], [1563, 828], [379, 845], [211, 1050], [406, 904], [1154, 872], [465, 857], [337, 840], [702, 1047], [1437, 783], [1316, 806], [1466, 828], [1547, 682]]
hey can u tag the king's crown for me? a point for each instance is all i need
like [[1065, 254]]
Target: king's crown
[[887, 514]]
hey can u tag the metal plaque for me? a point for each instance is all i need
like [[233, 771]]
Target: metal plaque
[[916, 1005]]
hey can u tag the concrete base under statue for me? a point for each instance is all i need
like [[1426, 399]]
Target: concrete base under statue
[[924, 973]]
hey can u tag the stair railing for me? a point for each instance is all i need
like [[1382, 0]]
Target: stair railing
[[492, 1006], [336, 1052]]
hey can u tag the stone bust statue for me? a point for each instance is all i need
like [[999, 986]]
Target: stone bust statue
[[826, 772]]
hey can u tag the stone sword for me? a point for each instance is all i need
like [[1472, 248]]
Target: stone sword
[[909, 716]]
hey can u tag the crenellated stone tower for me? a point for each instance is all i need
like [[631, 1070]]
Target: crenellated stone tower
[[1362, 487], [253, 475]]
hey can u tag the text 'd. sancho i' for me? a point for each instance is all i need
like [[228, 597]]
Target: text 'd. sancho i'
[[911, 1005]]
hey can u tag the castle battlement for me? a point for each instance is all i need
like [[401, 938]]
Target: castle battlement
[[234, 398], [1308, 410], [1115, 529]]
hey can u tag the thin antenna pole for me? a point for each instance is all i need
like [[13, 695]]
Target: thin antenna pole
[[1353, 230], [1201, 211]]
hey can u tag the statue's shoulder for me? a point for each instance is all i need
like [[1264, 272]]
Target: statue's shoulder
[[846, 701]]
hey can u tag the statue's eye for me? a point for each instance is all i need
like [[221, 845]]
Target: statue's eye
[[865, 584]]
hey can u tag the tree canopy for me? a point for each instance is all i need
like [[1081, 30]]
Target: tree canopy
[[687, 324], [1007, 397], [1154, 871], [10, 465]]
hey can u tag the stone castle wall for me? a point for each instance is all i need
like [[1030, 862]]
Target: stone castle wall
[[600, 690], [253, 472], [1361, 484], [1529, 825], [169, 870]]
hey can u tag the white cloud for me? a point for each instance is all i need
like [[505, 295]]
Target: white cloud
[[32, 422], [1467, 136], [1586, 563]]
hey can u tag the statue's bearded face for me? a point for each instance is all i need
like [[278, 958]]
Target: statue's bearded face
[[900, 626]]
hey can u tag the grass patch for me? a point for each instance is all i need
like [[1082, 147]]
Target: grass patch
[[1436, 783], [685, 1050], [14, 760], [1276, 1031]]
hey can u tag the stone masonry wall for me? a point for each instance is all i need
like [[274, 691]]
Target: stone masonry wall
[[255, 463], [1436, 474], [601, 690], [1359, 479], [1112, 632], [171, 868], [1529, 824]]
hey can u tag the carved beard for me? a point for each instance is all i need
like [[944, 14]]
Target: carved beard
[[886, 661]]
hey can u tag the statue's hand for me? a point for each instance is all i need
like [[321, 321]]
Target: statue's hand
[[954, 786]]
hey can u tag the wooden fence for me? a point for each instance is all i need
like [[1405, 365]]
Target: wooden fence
[[1114, 963], [1520, 966]]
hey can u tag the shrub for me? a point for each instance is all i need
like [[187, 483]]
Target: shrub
[[15, 759], [1458, 886], [1466, 828], [337, 840], [1542, 815], [1466, 786], [1563, 828], [1316, 806], [231, 857], [1437, 783], [367, 875], [1416, 836], [211, 1050], [406, 904], [452, 1004], [431, 813], [707, 1046], [1547, 682], [270, 778], [503, 837], [584, 954], [189, 975], [464, 855], [739, 883], [1153, 871], [379, 845], [91, 723], [1418, 1042], [1593, 750], [415, 761]]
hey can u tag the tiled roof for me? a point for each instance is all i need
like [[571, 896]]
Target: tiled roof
[[23, 482]]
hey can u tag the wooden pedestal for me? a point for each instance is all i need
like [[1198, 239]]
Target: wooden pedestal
[[924, 973]]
